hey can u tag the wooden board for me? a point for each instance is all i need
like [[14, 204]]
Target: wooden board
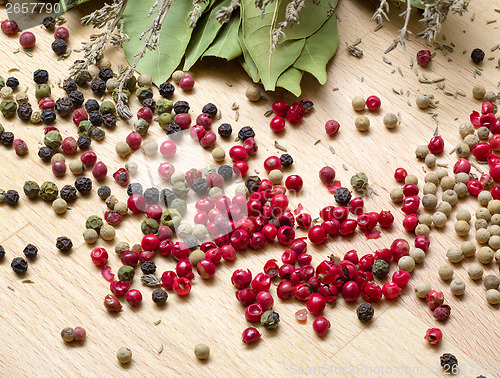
[[68, 290]]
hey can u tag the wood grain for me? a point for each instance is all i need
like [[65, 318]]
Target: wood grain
[[68, 290]]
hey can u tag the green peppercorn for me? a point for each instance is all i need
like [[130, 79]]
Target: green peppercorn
[[85, 128], [359, 182], [8, 108], [49, 191], [2, 129], [179, 205], [2, 195], [149, 226], [94, 222], [2, 82], [171, 218], [107, 107], [165, 119], [143, 93], [53, 139], [270, 319], [31, 189], [164, 106], [112, 84], [380, 268], [67, 334], [126, 273], [180, 189], [141, 126], [42, 91]]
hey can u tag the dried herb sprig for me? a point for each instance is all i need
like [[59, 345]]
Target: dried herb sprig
[[435, 14], [292, 12], [224, 14]]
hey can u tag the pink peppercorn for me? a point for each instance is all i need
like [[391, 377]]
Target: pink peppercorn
[[410, 222], [475, 187], [385, 219], [433, 335], [113, 217], [20, 147], [145, 113], [134, 140], [167, 279], [228, 253], [204, 120], [270, 231], [391, 290], [366, 262], [59, 168], [129, 258], [422, 242], [119, 288], [186, 83], [384, 254], [27, 40], [371, 292], [246, 296], [462, 165], [240, 168], [197, 132], [373, 103], [206, 268], [208, 139], [184, 268], [434, 299], [150, 242], [241, 278], [401, 278], [99, 170], [69, 145], [424, 57], [350, 291], [261, 282], [481, 151], [272, 162], [400, 174], [277, 124], [121, 177], [321, 326], [136, 203], [399, 248], [348, 227], [436, 145], [326, 174], [253, 312], [134, 297], [10, 27], [410, 190], [250, 335], [46, 103], [294, 182], [315, 304], [154, 211], [80, 115], [295, 113], [183, 120], [99, 256], [88, 158], [410, 204], [304, 220], [332, 127], [250, 145], [238, 153], [61, 33], [495, 174], [265, 300], [166, 170], [317, 234], [182, 286], [166, 245], [280, 107], [442, 312]]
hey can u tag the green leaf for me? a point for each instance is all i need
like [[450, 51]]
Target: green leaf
[[319, 49], [257, 37], [204, 33], [172, 40], [226, 45], [290, 80], [66, 5], [246, 60]]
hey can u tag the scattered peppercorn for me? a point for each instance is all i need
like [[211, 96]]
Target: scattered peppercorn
[[98, 86], [31, 189], [270, 319], [24, 111], [12, 82], [124, 355], [19, 265], [64, 244], [173, 130], [477, 55], [49, 22], [69, 85], [67, 334], [159, 296], [148, 267], [68, 193], [380, 268], [342, 196], [151, 195], [245, 133], [77, 98], [286, 160], [48, 116], [91, 105], [83, 185], [252, 183], [105, 74], [448, 361], [167, 196], [83, 142], [59, 46], [365, 312], [30, 251], [2, 253], [11, 197], [181, 107], [104, 192], [64, 106], [7, 138], [225, 130], [134, 188], [210, 109], [166, 90]]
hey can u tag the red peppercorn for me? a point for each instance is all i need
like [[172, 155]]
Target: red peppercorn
[[69, 145], [167, 279], [294, 182], [80, 115], [462, 165], [321, 326], [280, 107], [180, 251], [495, 174], [134, 140], [250, 145], [400, 174], [422, 242], [399, 248], [270, 231], [88, 158], [46, 103], [433, 335], [265, 300], [121, 177], [168, 148], [384, 254], [250, 335], [99, 170], [61, 33], [442, 312], [206, 268], [304, 220], [261, 282], [129, 258], [240, 239], [373, 103], [272, 162], [112, 303], [150, 242], [371, 292], [204, 120], [316, 304], [434, 299], [241, 278], [424, 57], [197, 132], [356, 206], [326, 175], [352, 256], [238, 153], [295, 113], [475, 187], [99, 256], [367, 222], [284, 289], [253, 312], [146, 114], [347, 227], [27, 40], [186, 83], [332, 127], [436, 145], [59, 168], [385, 219], [257, 241], [136, 203], [487, 107], [495, 142], [410, 204], [350, 291], [246, 296], [134, 297], [304, 259], [410, 222], [277, 124], [481, 151], [154, 211], [166, 170], [391, 290], [10, 27], [401, 278], [146, 256], [280, 202], [240, 168], [366, 262], [119, 288], [317, 234], [182, 286], [228, 253], [410, 190]]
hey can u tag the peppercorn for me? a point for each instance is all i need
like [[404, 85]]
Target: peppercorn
[[167, 196], [105, 74], [143, 93], [149, 226], [19, 265], [83, 185], [98, 86], [164, 106], [159, 296], [22, 97], [83, 142], [59, 46], [107, 232], [11, 197], [68, 193], [124, 355], [12, 82], [2, 253], [49, 22], [48, 116], [182, 107], [448, 361], [141, 126], [126, 273], [24, 111], [445, 272], [225, 130], [166, 89], [109, 120], [6, 93], [31, 189], [76, 98], [152, 196], [67, 334], [64, 244], [104, 192], [252, 183], [149, 103], [180, 189], [491, 282], [94, 222], [2, 195], [342, 196], [64, 106], [97, 134], [8, 108], [134, 188], [286, 160], [7, 138], [84, 128], [42, 90], [30, 251], [95, 118], [91, 105], [148, 267], [380, 268], [477, 55], [69, 85], [245, 133], [45, 153], [270, 319], [365, 312], [173, 130]]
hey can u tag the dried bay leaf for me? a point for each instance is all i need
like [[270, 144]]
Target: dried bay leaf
[[246, 60], [226, 45], [290, 80]]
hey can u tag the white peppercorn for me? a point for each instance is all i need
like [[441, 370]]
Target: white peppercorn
[[90, 236], [439, 219], [107, 232], [480, 223], [362, 123], [422, 289], [417, 254], [196, 256], [495, 220], [430, 188], [485, 255], [425, 218], [430, 160], [199, 231], [494, 229], [483, 133], [218, 154], [390, 120], [455, 255], [462, 150], [177, 177], [457, 287], [422, 151], [491, 282], [478, 91], [422, 229], [121, 207], [462, 228], [497, 257], [429, 201], [150, 148], [471, 140], [423, 101], [494, 206], [253, 93], [441, 173], [445, 272], [483, 213], [184, 229], [464, 215], [411, 179], [406, 263], [275, 176], [465, 129], [475, 271], [447, 183], [450, 196], [493, 296], [397, 195], [494, 242], [431, 177], [468, 248], [445, 208], [358, 103], [122, 149], [461, 189], [484, 197]]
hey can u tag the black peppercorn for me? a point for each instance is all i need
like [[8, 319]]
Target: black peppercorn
[[92, 105], [181, 107], [160, 296], [19, 265], [12, 82], [64, 106], [83, 142], [30, 251], [24, 111], [64, 244], [69, 85], [97, 134], [59, 46], [245, 133], [48, 116], [11, 197], [148, 267], [2, 252], [448, 361], [225, 130], [45, 153], [342, 196], [225, 171], [167, 196], [200, 186], [134, 188], [95, 118], [83, 78], [83, 185], [149, 103], [152, 196], [173, 130], [105, 74], [49, 22], [40, 76], [210, 109], [477, 55], [68, 193], [98, 86], [76, 98], [104, 192], [365, 312], [109, 120], [286, 160], [252, 183], [166, 90], [7, 138]]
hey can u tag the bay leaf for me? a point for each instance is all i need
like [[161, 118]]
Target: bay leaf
[[248, 65], [290, 80], [319, 49], [173, 38], [226, 44], [257, 36], [204, 34]]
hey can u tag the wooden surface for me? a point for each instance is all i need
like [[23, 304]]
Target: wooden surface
[[68, 290]]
